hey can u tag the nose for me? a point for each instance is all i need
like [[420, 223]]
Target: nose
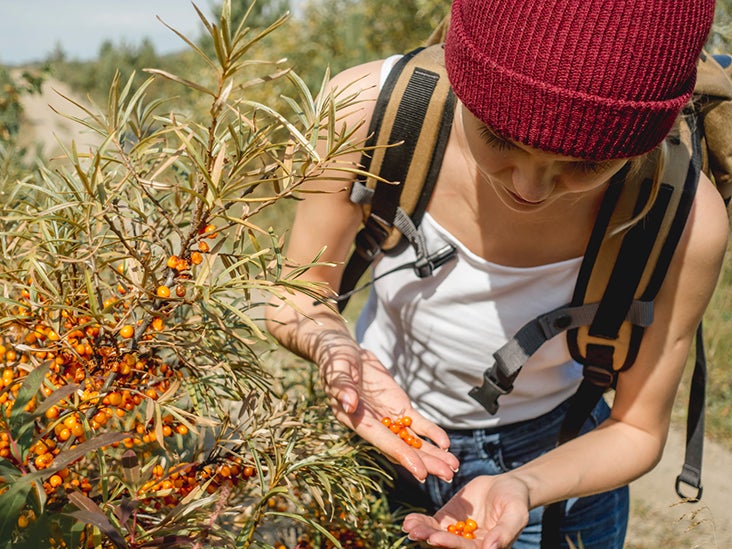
[[534, 181]]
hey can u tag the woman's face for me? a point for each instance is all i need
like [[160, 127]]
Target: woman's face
[[528, 179]]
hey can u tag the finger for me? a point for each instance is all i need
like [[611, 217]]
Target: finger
[[419, 527], [341, 379], [431, 431], [442, 538], [373, 431], [504, 532], [423, 528], [433, 453]]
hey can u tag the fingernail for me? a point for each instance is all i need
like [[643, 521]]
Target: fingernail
[[456, 470], [347, 405]]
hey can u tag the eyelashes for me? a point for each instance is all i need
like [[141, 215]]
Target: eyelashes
[[582, 166], [492, 139]]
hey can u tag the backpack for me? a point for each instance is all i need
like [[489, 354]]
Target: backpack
[[621, 272]]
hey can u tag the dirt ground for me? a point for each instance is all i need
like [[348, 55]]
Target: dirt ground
[[43, 126], [658, 518]]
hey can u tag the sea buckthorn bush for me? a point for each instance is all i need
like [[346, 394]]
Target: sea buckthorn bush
[[135, 409]]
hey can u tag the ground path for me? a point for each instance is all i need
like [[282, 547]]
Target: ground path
[[658, 519]]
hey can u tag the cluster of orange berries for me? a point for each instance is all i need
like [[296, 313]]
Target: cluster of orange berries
[[171, 486], [464, 528], [400, 427], [78, 355]]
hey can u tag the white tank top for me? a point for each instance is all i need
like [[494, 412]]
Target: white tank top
[[437, 335]]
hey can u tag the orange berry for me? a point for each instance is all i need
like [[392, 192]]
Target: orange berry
[[180, 290], [406, 421], [163, 291], [158, 323], [55, 480], [115, 399], [127, 331], [203, 247], [172, 261], [181, 429], [210, 231], [196, 258], [416, 443], [470, 525], [181, 265], [23, 521], [225, 471], [386, 421]]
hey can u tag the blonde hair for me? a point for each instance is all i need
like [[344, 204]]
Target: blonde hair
[[635, 166]]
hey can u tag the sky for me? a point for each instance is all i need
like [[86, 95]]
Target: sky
[[31, 29]]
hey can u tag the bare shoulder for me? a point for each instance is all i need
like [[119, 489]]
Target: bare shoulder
[[708, 227], [357, 87]]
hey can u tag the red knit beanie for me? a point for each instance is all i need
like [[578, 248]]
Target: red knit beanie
[[593, 79]]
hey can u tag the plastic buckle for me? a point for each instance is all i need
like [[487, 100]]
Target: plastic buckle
[[488, 393], [425, 266], [599, 376]]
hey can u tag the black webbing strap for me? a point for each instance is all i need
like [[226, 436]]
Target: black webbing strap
[[691, 470], [598, 371], [629, 267], [395, 164], [370, 238], [597, 379]]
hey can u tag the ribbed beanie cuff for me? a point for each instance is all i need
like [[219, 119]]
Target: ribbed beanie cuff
[[594, 79]]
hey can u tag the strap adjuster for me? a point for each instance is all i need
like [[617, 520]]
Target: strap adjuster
[[488, 393], [599, 376], [426, 265], [691, 477], [370, 238]]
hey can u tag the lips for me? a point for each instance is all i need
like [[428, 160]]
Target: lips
[[520, 200]]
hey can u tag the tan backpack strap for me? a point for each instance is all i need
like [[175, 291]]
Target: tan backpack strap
[[409, 131], [622, 267]]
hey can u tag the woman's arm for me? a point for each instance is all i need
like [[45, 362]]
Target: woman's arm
[[360, 389], [631, 441]]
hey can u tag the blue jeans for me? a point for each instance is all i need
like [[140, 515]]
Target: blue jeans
[[600, 521]]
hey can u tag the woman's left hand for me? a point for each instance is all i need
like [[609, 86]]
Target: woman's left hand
[[499, 504]]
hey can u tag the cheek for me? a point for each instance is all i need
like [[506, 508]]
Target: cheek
[[578, 180], [488, 159]]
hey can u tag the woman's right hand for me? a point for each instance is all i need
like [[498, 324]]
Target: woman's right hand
[[362, 392]]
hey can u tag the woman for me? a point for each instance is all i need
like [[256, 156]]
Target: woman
[[554, 98]]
